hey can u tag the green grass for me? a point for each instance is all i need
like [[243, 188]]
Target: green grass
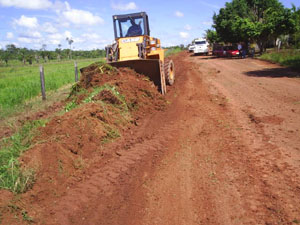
[[290, 58], [11, 176], [21, 83], [172, 51]]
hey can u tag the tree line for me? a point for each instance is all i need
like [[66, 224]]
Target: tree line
[[255, 21], [29, 56]]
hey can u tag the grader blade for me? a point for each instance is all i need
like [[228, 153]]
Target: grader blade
[[151, 68]]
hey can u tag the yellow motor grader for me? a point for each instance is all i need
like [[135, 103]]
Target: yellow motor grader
[[134, 48]]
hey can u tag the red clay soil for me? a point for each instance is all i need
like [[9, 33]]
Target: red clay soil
[[225, 150]]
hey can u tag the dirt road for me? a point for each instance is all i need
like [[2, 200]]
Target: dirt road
[[226, 150], [235, 156]]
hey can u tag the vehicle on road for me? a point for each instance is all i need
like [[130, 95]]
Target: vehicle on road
[[135, 48], [191, 48], [201, 46], [231, 51], [226, 51], [219, 51]]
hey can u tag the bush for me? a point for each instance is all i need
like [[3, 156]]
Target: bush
[[290, 58]]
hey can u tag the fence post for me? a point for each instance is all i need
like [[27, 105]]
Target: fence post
[[76, 71], [42, 78]]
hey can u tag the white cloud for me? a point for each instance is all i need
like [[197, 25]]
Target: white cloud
[[56, 36], [78, 40], [59, 38], [81, 17], [28, 22], [179, 14], [25, 40], [55, 42], [184, 34], [9, 35], [91, 36], [94, 38], [26, 4], [67, 34], [59, 6], [4, 43], [124, 7], [49, 28], [187, 27], [31, 35]]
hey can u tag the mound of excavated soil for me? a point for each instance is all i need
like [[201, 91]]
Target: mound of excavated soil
[[106, 102]]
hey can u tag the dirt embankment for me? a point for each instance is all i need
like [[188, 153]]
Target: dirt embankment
[[105, 105]]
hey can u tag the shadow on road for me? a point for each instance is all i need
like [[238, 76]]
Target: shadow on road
[[204, 57], [274, 72]]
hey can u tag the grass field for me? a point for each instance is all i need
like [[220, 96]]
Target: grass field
[[21, 83], [172, 51], [290, 58]]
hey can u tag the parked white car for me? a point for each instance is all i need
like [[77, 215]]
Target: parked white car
[[191, 48], [201, 46]]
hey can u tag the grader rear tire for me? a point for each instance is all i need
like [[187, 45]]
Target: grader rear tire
[[169, 72]]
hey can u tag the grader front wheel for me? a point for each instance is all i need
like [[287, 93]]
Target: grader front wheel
[[169, 72]]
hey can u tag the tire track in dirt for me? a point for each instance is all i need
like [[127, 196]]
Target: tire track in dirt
[[104, 182], [185, 187]]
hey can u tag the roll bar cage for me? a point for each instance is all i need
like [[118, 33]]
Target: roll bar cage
[[117, 19]]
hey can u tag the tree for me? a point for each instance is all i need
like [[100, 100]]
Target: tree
[[58, 52], [5, 56], [70, 41], [9, 53], [30, 57], [12, 50], [253, 20], [37, 57], [212, 36], [22, 54], [43, 52], [295, 38]]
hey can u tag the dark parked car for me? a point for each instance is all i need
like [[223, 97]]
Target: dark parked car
[[232, 51], [219, 51]]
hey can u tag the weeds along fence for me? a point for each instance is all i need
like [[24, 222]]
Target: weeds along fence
[[19, 84]]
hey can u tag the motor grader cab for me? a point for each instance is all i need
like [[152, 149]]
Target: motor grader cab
[[135, 48]]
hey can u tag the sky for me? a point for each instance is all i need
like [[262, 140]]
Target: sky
[[34, 23]]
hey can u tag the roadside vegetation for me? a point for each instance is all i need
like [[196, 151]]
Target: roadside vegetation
[[290, 58], [173, 50], [11, 175], [260, 23], [13, 56], [19, 84]]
